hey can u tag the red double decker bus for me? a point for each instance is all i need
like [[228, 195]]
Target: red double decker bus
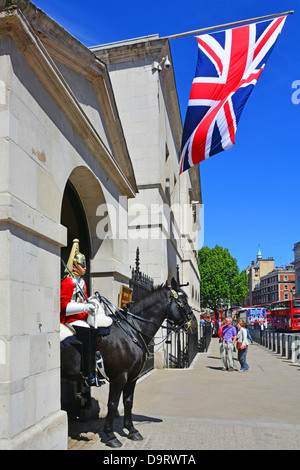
[[285, 315]]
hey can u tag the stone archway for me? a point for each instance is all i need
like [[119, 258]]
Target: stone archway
[[83, 195], [102, 204], [90, 193], [74, 218]]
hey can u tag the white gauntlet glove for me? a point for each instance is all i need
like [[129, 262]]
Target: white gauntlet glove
[[73, 308]]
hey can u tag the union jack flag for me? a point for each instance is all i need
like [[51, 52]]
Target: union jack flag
[[229, 65]]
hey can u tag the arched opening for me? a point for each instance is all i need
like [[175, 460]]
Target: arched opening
[[73, 217]]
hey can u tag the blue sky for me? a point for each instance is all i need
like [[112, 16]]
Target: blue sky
[[250, 192]]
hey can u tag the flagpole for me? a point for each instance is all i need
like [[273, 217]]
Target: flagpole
[[226, 25]]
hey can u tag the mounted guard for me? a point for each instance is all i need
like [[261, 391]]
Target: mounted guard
[[76, 308]]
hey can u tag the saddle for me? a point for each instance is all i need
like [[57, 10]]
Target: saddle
[[70, 334]]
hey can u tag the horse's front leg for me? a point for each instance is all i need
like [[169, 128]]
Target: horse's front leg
[[115, 389], [128, 402]]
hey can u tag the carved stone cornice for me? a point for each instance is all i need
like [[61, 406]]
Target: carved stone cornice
[[27, 28]]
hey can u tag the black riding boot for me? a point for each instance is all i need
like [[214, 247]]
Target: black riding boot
[[88, 337]]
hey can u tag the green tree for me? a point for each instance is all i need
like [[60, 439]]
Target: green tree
[[221, 280]]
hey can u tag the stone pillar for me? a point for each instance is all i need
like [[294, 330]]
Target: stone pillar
[[30, 243]]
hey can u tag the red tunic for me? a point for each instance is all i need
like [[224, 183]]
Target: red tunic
[[69, 291]]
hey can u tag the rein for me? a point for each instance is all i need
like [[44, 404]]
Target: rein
[[119, 315], [120, 310]]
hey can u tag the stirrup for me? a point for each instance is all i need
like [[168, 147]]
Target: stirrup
[[98, 361], [93, 381], [99, 367], [90, 381], [98, 381]]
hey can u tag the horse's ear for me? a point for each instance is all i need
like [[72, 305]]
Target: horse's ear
[[174, 284]]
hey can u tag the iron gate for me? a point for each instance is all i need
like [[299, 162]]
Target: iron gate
[[183, 347], [205, 336]]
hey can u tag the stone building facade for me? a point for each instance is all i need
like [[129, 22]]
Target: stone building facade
[[164, 216], [66, 154]]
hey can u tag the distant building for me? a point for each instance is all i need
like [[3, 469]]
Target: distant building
[[255, 271], [267, 284], [279, 284]]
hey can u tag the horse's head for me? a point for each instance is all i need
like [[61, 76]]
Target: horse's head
[[179, 311]]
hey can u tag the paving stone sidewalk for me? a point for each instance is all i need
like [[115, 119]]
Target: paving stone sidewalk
[[204, 408]]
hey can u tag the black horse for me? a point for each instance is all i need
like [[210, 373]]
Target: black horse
[[125, 349]]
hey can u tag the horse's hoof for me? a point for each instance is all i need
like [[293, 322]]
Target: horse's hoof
[[114, 443], [136, 436]]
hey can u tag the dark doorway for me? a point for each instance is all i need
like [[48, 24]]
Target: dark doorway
[[73, 217]]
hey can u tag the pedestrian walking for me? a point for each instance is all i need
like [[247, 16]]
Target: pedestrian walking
[[242, 346], [226, 348]]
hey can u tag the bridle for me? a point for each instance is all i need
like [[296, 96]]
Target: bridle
[[187, 322], [120, 317]]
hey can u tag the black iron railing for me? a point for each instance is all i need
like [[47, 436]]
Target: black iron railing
[[141, 284]]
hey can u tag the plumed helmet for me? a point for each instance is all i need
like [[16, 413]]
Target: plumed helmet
[[76, 259]]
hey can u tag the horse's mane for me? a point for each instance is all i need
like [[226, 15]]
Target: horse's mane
[[148, 299]]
